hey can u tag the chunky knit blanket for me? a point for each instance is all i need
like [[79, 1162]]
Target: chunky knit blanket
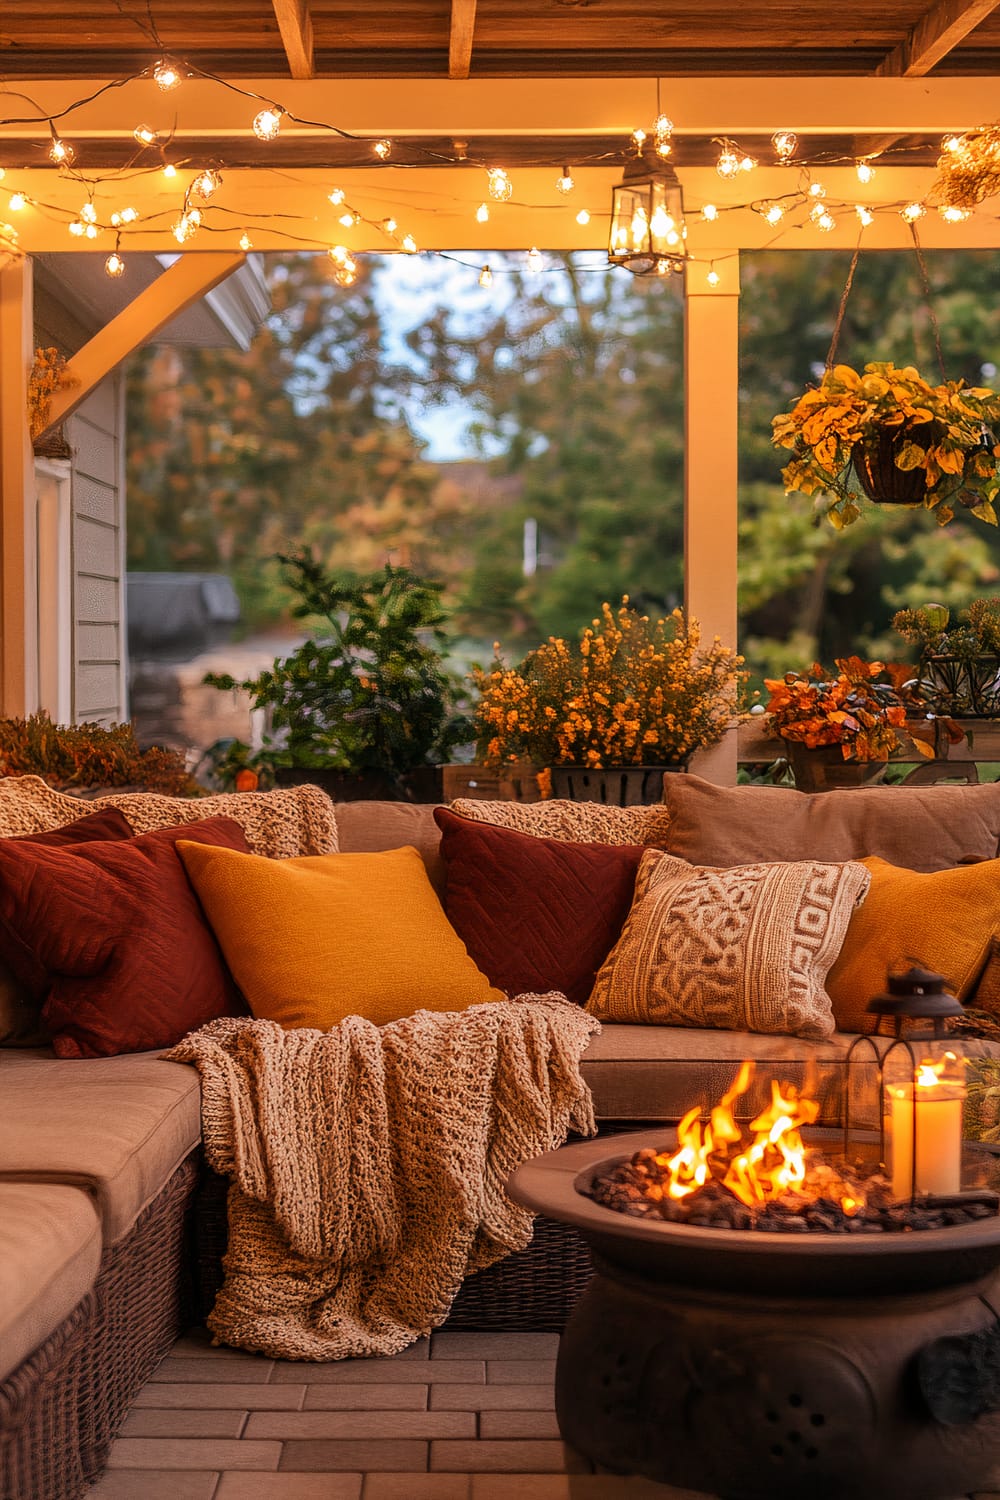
[[368, 1164]]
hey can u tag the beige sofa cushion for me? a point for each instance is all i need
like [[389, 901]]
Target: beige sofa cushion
[[576, 822], [921, 828], [370, 827], [119, 1126], [50, 1249]]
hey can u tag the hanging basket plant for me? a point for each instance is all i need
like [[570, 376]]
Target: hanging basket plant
[[889, 434]]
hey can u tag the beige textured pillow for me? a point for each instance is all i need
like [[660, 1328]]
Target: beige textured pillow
[[921, 828], [743, 949], [283, 824], [573, 822]]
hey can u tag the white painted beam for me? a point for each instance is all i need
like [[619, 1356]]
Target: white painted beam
[[18, 604], [186, 281]]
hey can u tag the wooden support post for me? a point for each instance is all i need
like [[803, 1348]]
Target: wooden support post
[[711, 443], [18, 604]]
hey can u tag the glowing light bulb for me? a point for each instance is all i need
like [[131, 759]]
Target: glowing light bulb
[[390, 226], [486, 277], [166, 75], [409, 244], [483, 214], [88, 213], [912, 212], [114, 266], [728, 163], [206, 183], [826, 221], [129, 215], [952, 214], [817, 190], [535, 261], [639, 137], [583, 217], [183, 229], [17, 202], [663, 129], [864, 215], [784, 143], [865, 171], [346, 271], [61, 152], [337, 197], [245, 242], [710, 213], [91, 231], [747, 164], [144, 136], [773, 213], [713, 278], [347, 220], [267, 123], [565, 183], [194, 216], [170, 170], [500, 186], [338, 254], [383, 150], [951, 144], [76, 228]]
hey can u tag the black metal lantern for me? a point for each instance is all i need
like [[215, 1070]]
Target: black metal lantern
[[921, 1086], [648, 234]]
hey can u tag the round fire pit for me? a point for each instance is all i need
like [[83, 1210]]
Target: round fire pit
[[759, 1366]]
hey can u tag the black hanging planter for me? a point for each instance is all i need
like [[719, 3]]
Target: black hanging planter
[[878, 474]]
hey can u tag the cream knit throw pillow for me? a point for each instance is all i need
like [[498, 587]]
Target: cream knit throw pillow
[[573, 822], [743, 949]]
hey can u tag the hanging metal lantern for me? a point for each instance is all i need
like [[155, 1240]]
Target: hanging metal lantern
[[648, 234]]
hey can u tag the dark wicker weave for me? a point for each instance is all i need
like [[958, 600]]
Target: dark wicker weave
[[61, 1409], [40, 1455]]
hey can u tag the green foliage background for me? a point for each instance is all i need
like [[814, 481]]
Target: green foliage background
[[572, 394]]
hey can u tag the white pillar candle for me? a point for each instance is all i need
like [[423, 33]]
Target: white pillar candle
[[938, 1135]]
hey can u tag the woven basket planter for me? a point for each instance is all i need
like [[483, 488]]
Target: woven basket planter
[[618, 786], [875, 465]]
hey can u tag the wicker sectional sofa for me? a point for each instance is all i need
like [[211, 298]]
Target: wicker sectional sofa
[[111, 1230]]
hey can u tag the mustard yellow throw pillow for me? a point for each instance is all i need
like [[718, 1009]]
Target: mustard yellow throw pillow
[[942, 921], [315, 939]]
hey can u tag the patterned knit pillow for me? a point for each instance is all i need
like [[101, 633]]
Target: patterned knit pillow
[[742, 949], [575, 822]]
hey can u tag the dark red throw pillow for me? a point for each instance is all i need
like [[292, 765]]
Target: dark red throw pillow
[[535, 914], [115, 934], [109, 823]]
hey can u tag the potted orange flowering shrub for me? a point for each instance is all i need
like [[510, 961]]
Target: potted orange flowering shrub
[[840, 730], [606, 717]]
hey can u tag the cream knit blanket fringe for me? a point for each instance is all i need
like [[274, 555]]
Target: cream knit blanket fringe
[[368, 1163]]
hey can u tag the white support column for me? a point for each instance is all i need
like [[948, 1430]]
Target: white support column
[[55, 589], [711, 385], [18, 605]]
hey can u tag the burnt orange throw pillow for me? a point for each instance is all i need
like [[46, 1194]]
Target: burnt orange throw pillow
[[114, 936], [942, 921]]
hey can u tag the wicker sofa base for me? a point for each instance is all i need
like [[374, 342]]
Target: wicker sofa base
[[61, 1409]]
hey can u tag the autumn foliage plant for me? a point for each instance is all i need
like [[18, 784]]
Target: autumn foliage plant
[[864, 716], [947, 431], [83, 757], [633, 691]]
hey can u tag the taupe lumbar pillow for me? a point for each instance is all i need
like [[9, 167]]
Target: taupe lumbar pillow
[[574, 822], [921, 828], [740, 949]]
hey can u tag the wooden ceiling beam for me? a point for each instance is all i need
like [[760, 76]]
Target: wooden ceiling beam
[[463, 25], [295, 24], [945, 25]]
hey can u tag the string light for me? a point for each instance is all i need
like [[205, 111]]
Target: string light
[[114, 266], [88, 213], [486, 277], [166, 74], [76, 228], [383, 150], [500, 186], [865, 171], [583, 217], [267, 123], [826, 221], [534, 260], [184, 229], [91, 231], [728, 163], [912, 212], [390, 226], [773, 212], [663, 129], [170, 170], [17, 202], [345, 267], [349, 219], [61, 152], [817, 190], [951, 144], [206, 183], [639, 138], [129, 215], [713, 278], [339, 254], [747, 164], [246, 243], [483, 213], [409, 244], [565, 183], [144, 136], [864, 215], [337, 197], [785, 143], [951, 213], [710, 213]]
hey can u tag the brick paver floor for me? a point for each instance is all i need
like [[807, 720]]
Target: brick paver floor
[[459, 1416]]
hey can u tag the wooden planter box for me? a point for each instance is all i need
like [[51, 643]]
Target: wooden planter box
[[514, 783]]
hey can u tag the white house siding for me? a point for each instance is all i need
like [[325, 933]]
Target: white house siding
[[95, 433]]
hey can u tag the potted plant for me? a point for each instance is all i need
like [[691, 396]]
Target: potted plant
[[841, 730], [367, 708], [891, 434], [959, 667], [607, 717], [90, 758]]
